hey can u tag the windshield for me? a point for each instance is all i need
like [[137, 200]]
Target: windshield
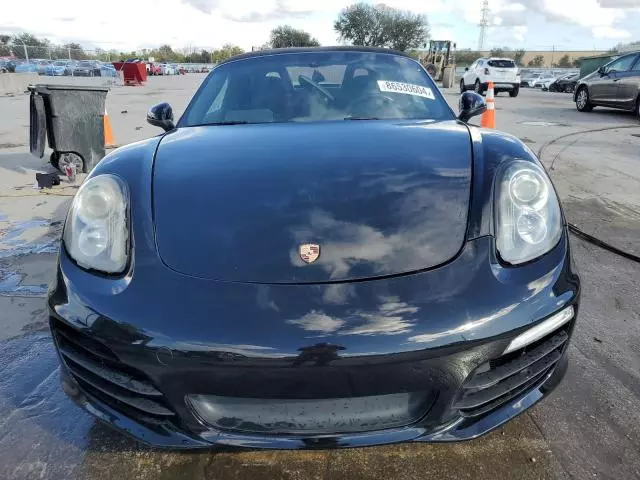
[[502, 63], [316, 86]]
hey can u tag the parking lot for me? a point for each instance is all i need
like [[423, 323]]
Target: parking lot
[[589, 427]]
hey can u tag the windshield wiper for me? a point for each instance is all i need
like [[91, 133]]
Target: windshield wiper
[[230, 122], [352, 117]]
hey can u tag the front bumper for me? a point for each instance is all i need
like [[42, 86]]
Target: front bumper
[[435, 332], [168, 436]]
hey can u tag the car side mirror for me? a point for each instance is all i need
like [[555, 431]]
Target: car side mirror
[[466, 69], [602, 70], [470, 105], [161, 115]]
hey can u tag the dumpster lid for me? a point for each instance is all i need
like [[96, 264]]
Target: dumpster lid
[[43, 87]]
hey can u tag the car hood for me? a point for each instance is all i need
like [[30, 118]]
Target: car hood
[[379, 198]]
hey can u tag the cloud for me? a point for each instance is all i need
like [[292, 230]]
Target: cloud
[[205, 6], [315, 321], [519, 32], [619, 4], [609, 32], [212, 23], [391, 317]]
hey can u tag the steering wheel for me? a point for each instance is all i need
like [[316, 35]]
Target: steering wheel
[[306, 81], [372, 99]]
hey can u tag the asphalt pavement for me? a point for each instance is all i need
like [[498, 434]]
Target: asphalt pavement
[[589, 427]]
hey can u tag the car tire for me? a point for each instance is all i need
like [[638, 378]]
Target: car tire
[[514, 93], [462, 87], [638, 107], [60, 160], [583, 104], [477, 87]]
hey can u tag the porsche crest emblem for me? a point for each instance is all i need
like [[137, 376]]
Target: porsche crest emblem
[[309, 252]]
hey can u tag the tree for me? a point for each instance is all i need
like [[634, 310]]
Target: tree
[[467, 57], [75, 51], [5, 48], [538, 61], [205, 57], [165, 53], [518, 55], [286, 36], [499, 52], [36, 48], [382, 26], [228, 50], [564, 62]]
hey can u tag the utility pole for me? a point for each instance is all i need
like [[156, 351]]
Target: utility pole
[[484, 23]]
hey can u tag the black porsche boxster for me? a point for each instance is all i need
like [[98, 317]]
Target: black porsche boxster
[[318, 254]]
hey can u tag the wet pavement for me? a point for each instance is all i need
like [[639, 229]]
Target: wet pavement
[[589, 427]]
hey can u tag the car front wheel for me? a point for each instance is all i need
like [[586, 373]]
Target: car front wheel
[[583, 104], [477, 87]]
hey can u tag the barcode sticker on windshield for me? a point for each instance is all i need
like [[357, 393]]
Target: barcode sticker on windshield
[[406, 88]]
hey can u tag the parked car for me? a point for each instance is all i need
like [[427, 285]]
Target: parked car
[[536, 80], [154, 69], [503, 72], [615, 85], [168, 69], [57, 68], [86, 68], [546, 84], [107, 70], [26, 67], [7, 65], [378, 270], [566, 83], [43, 65]]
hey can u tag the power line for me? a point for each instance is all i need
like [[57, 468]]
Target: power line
[[484, 23]]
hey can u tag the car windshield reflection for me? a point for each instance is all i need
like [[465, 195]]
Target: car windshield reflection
[[316, 86]]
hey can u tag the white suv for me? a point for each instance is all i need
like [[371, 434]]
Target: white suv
[[503, 72]]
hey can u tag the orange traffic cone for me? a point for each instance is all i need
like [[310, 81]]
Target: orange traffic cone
[[108, 131], [489, 116]]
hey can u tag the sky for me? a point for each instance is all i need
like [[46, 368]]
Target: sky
[[135, 24]]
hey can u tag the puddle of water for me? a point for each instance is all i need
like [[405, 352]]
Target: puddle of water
[[11, 245], [10, 286]]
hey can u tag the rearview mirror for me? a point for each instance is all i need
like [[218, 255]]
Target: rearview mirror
[[161, 115], [470, 105]]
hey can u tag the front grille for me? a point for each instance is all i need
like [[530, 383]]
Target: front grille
[[99, 372], [496, 382]]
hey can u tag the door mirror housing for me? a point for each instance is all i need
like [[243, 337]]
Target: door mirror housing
[[470, 105], [161, 115], [466, 69], [602, 70]]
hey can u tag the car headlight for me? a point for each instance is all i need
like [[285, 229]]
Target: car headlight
[[528, 219], [96, 234]]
